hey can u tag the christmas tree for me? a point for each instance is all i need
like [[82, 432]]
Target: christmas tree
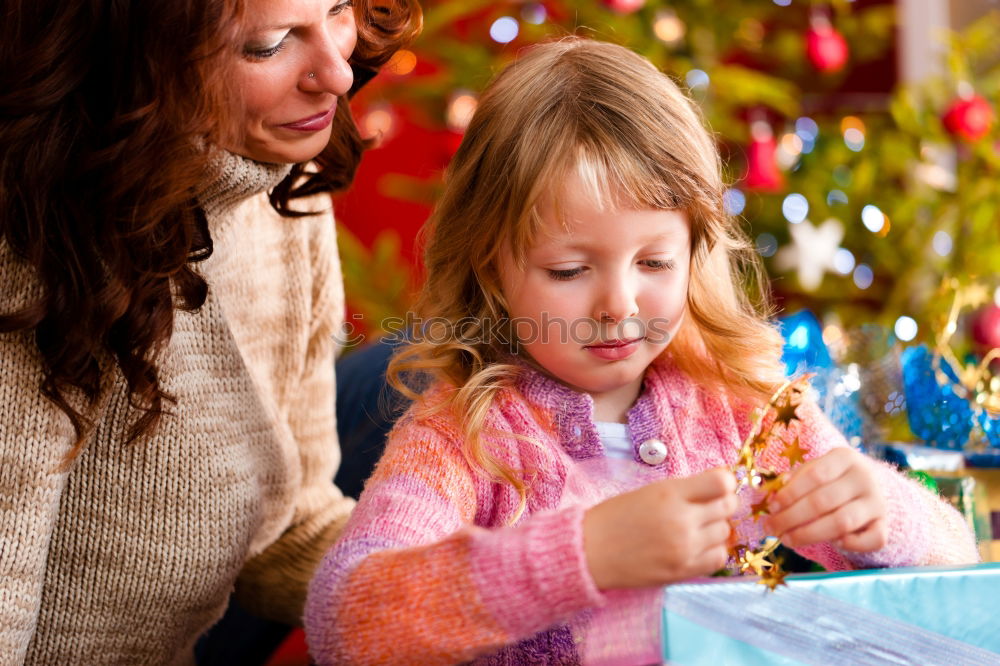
[[861, 200]]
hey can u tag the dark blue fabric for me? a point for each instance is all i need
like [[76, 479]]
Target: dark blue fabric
[[366, 410]]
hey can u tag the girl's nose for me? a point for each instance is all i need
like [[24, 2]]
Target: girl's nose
[[617, 303]]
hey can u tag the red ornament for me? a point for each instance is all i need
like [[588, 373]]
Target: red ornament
[[762, 166], [969, 118], [826, 48], [624, 6], [986, 328]]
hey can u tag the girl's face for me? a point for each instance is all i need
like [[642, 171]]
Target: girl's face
[[601, 295], [293, 68]]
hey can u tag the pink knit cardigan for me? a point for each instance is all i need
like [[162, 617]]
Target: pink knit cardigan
[[430, 571]]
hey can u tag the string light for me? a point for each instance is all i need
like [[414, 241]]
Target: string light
[[842, 175], [853, 130], [696, 79], [789, 149], [751, 30], [461, 106], [942, 243], [854, 139], [379, 123], [905, 328], [734, 201], [832, 335], [807, 129], [534, 13], [836, 197], [863, 276], [504, 30], [843, 261], [402, 62], [767, 245], [795, 208], [873, 218], [668, 27]]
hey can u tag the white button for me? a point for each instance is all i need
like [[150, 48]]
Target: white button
[[653, 451]]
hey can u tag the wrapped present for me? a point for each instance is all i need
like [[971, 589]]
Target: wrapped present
[[918, 457], [943, 615], [973, 489]]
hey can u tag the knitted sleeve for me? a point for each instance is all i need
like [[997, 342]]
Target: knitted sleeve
[[414, 581], [273, 584], [34, 438], [923, 528]]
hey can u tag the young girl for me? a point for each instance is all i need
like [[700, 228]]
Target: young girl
[[595, 363]]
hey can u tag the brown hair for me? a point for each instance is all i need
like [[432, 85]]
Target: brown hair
[[103, 121], [607, 115]]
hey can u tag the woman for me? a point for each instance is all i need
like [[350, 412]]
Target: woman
[[167, 310]]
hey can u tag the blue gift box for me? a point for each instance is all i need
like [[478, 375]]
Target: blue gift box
[[943, 615]]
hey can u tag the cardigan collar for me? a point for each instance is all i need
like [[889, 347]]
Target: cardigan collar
[[236, 178], [573, 411]]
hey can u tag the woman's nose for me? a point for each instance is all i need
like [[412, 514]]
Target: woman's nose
[[328, 72]]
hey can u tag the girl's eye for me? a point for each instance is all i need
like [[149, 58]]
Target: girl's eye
[[263, 53], [659, 264], [565, 274]]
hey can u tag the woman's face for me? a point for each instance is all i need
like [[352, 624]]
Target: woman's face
[[292, 71]]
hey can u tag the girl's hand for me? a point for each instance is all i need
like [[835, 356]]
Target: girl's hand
[[833, 498], [661, 533]]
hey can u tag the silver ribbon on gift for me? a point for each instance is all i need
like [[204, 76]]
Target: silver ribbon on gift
[[815, 628]]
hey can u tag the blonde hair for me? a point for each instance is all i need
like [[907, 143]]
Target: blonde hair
[[608, 116]]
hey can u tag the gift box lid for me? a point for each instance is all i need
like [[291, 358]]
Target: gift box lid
[[939, 615]]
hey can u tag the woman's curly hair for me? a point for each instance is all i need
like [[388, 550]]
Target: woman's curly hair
[[104, 116]]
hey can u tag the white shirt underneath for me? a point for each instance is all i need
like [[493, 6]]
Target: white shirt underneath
[[616, 440]]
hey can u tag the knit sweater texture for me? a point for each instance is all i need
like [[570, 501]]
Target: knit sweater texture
[[429, 569], [127, 556]]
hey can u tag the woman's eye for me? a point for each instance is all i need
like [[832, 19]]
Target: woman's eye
[[340, 7], [566, 273], [659, 264], [263, 53]]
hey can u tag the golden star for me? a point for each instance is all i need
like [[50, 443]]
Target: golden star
[[774, 576], [759, 509], [785, 412], [759, 444], [754, 560], [794, 452], [771, 482]]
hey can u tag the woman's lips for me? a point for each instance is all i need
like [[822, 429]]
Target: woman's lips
[[313, 123], [615, 350]]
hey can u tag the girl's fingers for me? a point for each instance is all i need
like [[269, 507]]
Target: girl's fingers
[[715, 533], [719, 509], [708, 486], [813, 474], [851, 517], [819, 502], [871, 537], [713, 559]]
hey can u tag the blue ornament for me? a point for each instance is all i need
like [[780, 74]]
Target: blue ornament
[[804, 349], [937, 413]]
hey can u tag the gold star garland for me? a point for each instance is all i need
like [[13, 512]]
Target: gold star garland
[[977, 383], [750, 474]]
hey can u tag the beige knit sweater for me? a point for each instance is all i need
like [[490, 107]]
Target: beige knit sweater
[[128, 556]]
